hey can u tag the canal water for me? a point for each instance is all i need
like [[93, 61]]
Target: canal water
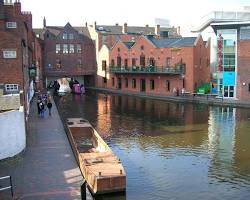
[[171, 150]]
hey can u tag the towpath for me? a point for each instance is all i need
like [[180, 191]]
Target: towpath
[[47, 168]]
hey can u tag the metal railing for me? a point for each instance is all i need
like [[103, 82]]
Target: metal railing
[[180, 69], [9, 187]]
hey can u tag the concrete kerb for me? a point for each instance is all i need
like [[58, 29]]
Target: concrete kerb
[[179, 99]]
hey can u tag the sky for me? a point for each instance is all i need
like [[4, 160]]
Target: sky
[[184, 13]]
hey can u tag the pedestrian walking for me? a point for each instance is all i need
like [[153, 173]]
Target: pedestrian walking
[[41, 106], [49, 105], [38, 106]]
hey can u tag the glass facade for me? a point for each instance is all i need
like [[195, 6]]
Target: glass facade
[[227, 67]]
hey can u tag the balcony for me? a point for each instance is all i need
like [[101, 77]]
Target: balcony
[[178, 69]]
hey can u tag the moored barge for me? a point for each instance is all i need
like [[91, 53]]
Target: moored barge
[[101, 168]]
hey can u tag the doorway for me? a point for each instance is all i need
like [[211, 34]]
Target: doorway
[[228, 91]]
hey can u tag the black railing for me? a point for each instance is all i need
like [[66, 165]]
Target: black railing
[[178, 69], [8, 187]]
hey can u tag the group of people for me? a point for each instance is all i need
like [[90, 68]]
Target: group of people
[[43, 101]]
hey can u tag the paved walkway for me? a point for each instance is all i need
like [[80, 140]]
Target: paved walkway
[[47, 169]]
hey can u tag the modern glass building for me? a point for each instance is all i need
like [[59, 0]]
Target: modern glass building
[[227, 62]]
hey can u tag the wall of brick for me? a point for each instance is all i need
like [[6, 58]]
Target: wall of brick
[[243, 70], [196, 60], [69, 61]]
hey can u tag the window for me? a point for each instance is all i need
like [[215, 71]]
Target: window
[[152, 84], [126, 62], [168, 62], [118, 49], [11, 87], [78, 48], [113, 81], [133, 62], [142, 60], [142, 47], [119, 61], [168, 85], [9, 53], [126, 82], [71, 48], [164, 34], [11, 24], [104, 39], [65, 36], [65, 48], [112, 63], [79, 62], [152, 62], [71, 36], [104, 65], [133, 83], [58, 48]]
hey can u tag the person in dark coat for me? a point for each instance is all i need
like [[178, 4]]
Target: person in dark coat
[[49, 105], [38, 106]]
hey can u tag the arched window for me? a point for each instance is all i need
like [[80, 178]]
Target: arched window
[[142, 60], [152, 62], [119, 61]]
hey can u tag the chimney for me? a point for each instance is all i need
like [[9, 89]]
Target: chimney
[[95, 24], [86, 24], [157, 30], [178, 30], [146, 25], [1, 9], [125, 28], [44, 22], [17, 7], [117, 24]]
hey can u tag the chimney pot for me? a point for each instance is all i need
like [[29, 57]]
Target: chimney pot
[[125, 28], [157, 30]]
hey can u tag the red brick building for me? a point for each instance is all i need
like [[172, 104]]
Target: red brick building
[[159, 66], [106, 36], [68, 52], [18, 55]]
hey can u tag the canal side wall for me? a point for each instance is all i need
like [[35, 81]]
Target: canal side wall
[[201, 99], [12, 133]]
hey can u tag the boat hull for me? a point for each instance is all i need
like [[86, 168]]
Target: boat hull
[[102, 169]]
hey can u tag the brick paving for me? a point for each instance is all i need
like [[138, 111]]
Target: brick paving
[[47, 168]]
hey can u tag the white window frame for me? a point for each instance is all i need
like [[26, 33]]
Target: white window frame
[[9, 53], [71, 48], [58, 48], [65, 50], [11, 25], [78, 48], [71, 36], [11, 87], [65, 36]]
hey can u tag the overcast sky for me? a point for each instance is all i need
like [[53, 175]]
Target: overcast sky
[[183, 13]]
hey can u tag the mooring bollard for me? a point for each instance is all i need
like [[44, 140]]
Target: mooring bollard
[[83, 191]]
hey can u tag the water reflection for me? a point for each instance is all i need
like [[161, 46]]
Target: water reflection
[[171, 150]]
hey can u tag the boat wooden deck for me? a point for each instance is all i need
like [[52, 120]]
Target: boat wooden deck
[[100, 167]]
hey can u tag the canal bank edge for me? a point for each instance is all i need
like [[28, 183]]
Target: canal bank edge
[[181, 99]]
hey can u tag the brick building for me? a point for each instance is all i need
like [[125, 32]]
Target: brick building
[[68, 52], [106, 36], [159, 66], [18, 56]]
